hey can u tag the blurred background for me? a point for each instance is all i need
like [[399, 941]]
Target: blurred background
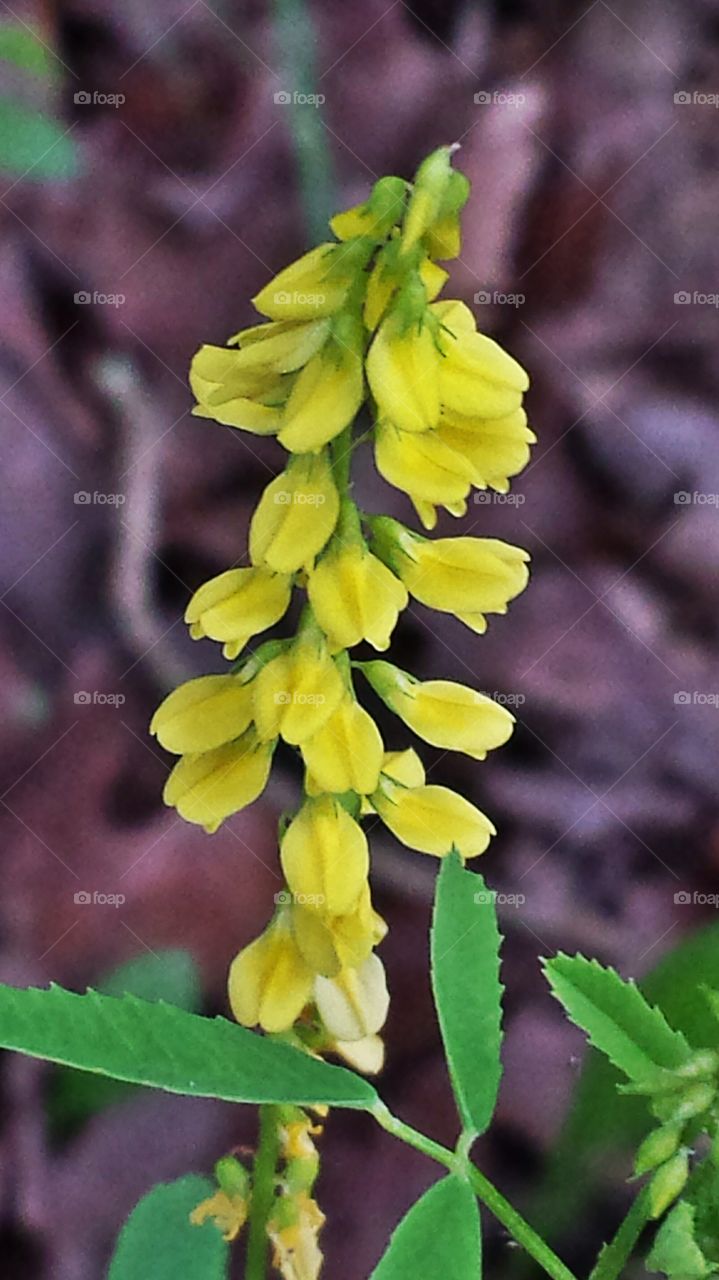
[[158, 163]]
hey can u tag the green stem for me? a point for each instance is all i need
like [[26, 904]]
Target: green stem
[[485, 1191], [296, 39], [263, 1193], [614, 1255]]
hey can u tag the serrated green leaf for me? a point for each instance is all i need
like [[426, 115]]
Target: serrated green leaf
[[465, 944], [675, 1252], [24, 49], [33, 145], [159, 1240], [166, 1048], [617, 1019], [438, 1239]]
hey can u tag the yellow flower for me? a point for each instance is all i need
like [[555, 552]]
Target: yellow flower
[[476, 376], [430, 187], [433, 819], [423, 466], [496, 448], [365, 1055], [325, 397], [385, 278], [296, 515], [202, 714], [208, 787], [269, 982], [403, 374], [237, 605], [325, 857], [445, 714], [296, 692], [293, 1230], [401, 766], [332, 943], [375, 217], [354, 596], [354, 1004], [315, 285], [346, 753], [468, 577]]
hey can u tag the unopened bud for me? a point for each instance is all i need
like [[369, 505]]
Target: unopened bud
[[657, 1148], [668, 1183], [232, 1177]]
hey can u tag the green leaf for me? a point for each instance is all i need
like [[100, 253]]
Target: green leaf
[[675, 1252], [465, 945], [74, 1096], [633, 1034], [154, 1044], [32, 145], [158, 1239], [24, 49], [439, 1239]]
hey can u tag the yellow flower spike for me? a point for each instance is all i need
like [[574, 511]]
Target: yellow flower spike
[[354, 596], [325, 857], [309, 287], [324, 399], [403, 374], [296, 515], [237, 605], [353, 1005], [445, 714], [202, 714], [296, 692], [269, 982], [433, 819], [207, 788], [463, 576], [346, 753], [422, 465], [496, 448]]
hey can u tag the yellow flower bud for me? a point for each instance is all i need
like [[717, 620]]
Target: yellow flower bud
[[346, 753], [202, 714], [496, 448], [324, 399], [354, 1004], [315, 285], [465, 576], [365, 1055], [403, 374], [446, 714], [433, 819], [295, 693], [209, 787], [355, 597], [237, 605], [325, 857], [296, 515], [220, 374], [425, 203], [269, 982], [477, 377], [332, 943], [422, 465], [375, 217]]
